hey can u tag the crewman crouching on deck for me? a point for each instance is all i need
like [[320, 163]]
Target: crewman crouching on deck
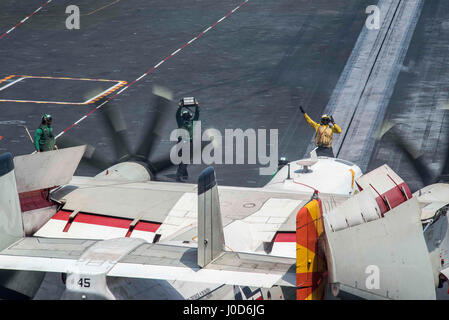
[[324, 133], [44, 140]]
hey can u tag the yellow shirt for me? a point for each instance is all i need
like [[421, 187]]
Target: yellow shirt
[[324, 133]]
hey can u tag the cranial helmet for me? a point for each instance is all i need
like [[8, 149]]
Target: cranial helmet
[[46, 118], [186, 115], [325, 118]]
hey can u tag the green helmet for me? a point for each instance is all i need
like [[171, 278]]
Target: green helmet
[[186, 115], [46, 118]]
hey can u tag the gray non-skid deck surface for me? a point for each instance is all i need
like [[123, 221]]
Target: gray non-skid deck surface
[[54, 90], [421, 93], [420, 96], [251, 71]]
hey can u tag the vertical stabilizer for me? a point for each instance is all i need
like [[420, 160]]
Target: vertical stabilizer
[[11, 227], [210, 226], [311, 269]]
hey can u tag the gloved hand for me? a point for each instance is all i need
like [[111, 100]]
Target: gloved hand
[[332, 120], [302, 110]]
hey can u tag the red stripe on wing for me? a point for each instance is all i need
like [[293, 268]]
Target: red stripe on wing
[[107, 221]]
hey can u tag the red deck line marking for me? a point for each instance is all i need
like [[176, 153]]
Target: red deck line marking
[[154, 68], [25, 19]]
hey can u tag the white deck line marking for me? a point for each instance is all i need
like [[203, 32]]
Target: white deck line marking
[[207, 29], [176, 52], [25, 19], [154, 68], [122, 90], [10, 84]]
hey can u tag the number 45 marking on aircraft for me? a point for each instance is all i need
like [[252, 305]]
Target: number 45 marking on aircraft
[[84, 282]]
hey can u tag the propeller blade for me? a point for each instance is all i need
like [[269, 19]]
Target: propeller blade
[[444, 174], [160, 164], [153, 131], [91, 156], [116, 125], [417, 159]]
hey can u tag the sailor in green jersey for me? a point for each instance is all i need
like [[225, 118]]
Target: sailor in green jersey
[[185, 120], [44, 140]]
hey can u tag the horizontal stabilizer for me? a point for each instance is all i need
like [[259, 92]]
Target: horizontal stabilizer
[[150, 261]]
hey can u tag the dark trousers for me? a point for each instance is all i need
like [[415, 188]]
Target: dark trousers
[[182, 167], [325, 152]]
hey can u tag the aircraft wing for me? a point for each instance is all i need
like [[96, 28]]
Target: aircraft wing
[[253, 218], [87, 263], [124, 257]]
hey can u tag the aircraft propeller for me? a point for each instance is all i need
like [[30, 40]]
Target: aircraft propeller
[[417, 159], [117, 130]]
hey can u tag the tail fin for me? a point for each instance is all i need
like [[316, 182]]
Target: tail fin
[[11, 226], [210, 226]]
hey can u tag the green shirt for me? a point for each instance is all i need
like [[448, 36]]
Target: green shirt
[[187, 124], [44, 140]]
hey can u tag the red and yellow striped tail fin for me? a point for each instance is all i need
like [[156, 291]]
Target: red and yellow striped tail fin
[[311, 269]]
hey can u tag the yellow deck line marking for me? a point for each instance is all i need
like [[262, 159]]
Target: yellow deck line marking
[[120, 83], [104, 7]]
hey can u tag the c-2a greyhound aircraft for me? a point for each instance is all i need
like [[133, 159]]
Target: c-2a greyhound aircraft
[[120, 235], [123, 235]]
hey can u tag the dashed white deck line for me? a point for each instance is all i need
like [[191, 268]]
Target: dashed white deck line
[[153, 68], [157, 66], [25, 19], [173, 53], [123, 89]]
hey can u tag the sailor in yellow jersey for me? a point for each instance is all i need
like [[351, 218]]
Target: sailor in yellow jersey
[[324, 133]]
